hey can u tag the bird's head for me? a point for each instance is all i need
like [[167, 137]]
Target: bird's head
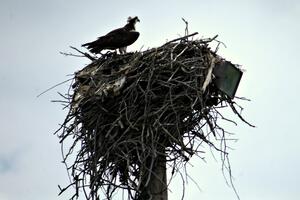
[[133, 20]]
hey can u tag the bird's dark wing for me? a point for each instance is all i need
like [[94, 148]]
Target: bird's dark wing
[[125, 38], [113, 40]]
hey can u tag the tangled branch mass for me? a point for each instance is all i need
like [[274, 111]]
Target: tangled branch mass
[[127, 110]]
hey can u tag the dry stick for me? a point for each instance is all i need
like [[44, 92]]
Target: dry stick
[[186, 26], [84, 53], [58, 84], [238, 114], [70, 54], [181, 38], [210, 39]]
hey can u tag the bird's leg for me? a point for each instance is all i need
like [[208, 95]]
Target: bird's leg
[[122, 50]]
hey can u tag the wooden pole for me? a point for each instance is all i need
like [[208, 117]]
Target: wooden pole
[[157, 188], [158, 181]]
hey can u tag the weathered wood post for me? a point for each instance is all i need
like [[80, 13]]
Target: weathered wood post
[[158, 187]]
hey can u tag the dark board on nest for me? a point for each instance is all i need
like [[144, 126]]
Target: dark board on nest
[[125, 110]]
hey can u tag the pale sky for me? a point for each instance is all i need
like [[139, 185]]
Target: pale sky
[[262, 36]]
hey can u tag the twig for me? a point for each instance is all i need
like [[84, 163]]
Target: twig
[[84, 53], [208, 40], [58, 84], [238, 114], [186, 26], [181, 38], [70, 54]]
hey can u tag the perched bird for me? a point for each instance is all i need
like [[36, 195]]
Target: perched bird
[[117, 39]]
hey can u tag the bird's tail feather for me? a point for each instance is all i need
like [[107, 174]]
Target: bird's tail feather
[[86, 44]]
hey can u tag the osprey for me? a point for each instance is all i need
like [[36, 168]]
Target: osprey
[[117, 39]]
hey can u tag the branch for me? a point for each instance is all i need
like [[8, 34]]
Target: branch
[[186, 26], [181, 38], [58, 84], [84, 53]]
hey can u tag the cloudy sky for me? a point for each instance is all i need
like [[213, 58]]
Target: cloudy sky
[[263, 36]]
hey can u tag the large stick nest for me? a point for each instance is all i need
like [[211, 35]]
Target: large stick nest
[[125, 110]]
